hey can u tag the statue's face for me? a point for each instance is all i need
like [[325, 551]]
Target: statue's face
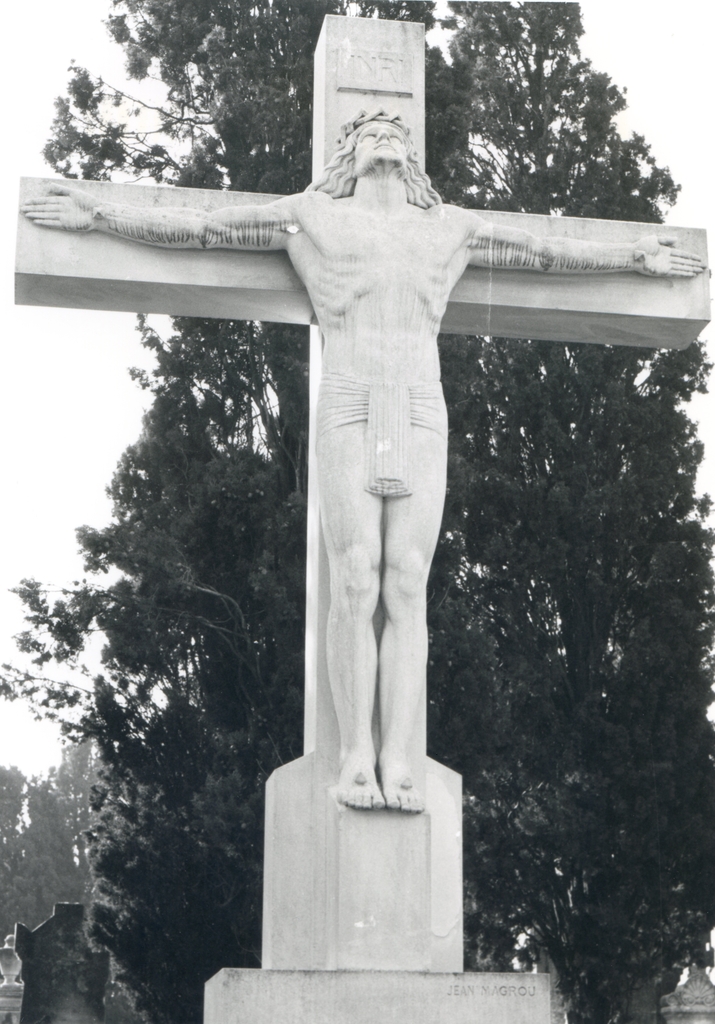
[[380, 146]]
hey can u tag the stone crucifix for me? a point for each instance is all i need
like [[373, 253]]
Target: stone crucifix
[[371, 255]]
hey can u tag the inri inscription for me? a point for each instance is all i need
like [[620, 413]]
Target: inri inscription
[[375, 71]]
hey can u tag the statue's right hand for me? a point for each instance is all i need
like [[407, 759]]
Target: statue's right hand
[[66, 208]]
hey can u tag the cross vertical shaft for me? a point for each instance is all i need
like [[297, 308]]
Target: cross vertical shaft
[[399, 872]]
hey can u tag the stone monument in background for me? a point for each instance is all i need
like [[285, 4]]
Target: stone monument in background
[[362, 901], [64, 977], [693, 1002], [10, 984]]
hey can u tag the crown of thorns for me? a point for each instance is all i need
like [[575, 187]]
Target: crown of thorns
[[363, 118]]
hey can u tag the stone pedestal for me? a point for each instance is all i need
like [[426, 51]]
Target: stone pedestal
[[398, 997], [361, 890]]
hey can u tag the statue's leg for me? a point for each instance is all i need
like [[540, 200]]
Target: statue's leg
[[352, 524], [412, 527]]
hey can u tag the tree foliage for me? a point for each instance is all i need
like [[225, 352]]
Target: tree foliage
[[576, 557], [571, 600], [239, 86], [202, 696], [542, 121], [43, 848]]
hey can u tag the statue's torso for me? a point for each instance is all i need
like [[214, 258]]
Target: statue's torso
[[379, 284]]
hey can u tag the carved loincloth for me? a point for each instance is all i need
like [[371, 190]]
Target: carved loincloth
[[391, 410]]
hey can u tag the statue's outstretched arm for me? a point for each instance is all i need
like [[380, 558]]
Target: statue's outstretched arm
[[233, 227], [494, 245]]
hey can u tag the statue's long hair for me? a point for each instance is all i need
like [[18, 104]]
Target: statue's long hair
[[338, 179]]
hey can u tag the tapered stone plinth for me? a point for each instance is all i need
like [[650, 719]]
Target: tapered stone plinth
[[361, 890]]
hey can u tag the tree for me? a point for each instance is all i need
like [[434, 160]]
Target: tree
[[12, 784], [571, 599], [542, 125], [44, 851], [204, 658]]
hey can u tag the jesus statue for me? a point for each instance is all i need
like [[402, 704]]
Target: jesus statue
[[379, 254]]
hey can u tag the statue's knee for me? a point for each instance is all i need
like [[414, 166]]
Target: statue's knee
[[356, 578], [405, 581]]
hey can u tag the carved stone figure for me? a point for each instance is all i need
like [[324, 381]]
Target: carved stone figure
[[379, 254]]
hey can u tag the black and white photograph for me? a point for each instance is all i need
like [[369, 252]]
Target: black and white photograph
[[357, 589]]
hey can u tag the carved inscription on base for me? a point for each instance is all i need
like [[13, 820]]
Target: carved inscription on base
[[477, 991]]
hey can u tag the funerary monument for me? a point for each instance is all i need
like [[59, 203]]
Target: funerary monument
[[64, 977], [10, 986], [363, 833]]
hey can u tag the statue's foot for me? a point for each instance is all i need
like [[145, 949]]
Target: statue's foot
[[357, 786], [398, 788]]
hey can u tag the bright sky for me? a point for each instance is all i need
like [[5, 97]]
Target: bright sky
[[69, 408]]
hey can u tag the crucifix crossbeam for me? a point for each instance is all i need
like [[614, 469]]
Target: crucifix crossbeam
[[98, 272]]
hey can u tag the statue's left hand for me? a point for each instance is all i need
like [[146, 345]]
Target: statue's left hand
[[657, 257], [67, 208]]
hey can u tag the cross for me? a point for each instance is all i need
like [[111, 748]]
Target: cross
[[344, 889]]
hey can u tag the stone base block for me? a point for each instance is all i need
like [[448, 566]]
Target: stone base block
[[375, 997]]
